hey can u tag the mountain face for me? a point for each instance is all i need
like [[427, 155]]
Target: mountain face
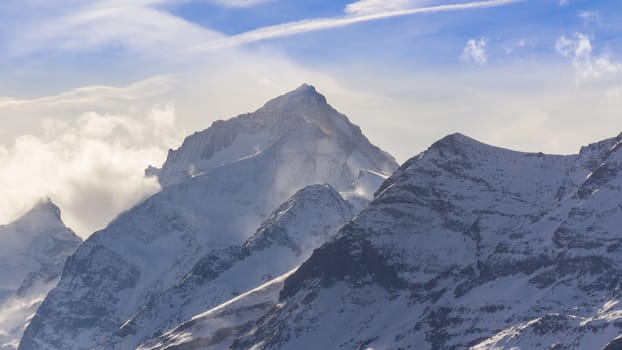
[[218, 189], [33, 250], [283, 241], [467, 246]]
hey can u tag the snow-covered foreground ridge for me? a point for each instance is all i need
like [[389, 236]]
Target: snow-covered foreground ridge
[[242, 202], [467, 246]]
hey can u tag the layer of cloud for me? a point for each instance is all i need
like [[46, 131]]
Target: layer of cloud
[[475, 51], [25, 116], [142, 27], [80, 26], [317, 24]]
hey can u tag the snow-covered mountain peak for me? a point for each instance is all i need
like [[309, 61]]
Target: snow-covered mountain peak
[[460, 145], [37, 226], [44, 209], [33, 250], [300, 122], [304, 97]]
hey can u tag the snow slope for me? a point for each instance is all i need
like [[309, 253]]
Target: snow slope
[[467, 246], [33, 250], [218, 189], [217, 328]]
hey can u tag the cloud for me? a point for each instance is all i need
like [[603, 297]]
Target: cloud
[[92, 167], [78, 26], [589, 16], [587, 66], [136, 98], [317, 24], [375, 6], [475, 51]]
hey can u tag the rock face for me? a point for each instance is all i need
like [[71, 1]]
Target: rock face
[[218, 188], [467, 246], [33, 250]]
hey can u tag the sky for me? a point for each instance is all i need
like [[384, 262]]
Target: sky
[[94, 91]]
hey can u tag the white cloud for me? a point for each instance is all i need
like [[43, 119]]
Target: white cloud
[[136, 98], [475, 51], [85, 26], [317, 24], [375, 6], [514, 46], [587, 65], [589, 16], [92, 166]]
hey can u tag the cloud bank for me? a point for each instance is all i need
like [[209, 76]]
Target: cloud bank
[[91, 167]]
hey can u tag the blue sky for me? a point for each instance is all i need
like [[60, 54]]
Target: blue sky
[[99, 89], [50, 47]]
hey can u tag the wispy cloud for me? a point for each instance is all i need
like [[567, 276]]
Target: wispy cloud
[[589, 16], [587, 65], [134, 25], [475, 51], [317, 24], [375, 6], [96, 94]]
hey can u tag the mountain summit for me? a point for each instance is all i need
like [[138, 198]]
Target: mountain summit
[[219, 188], [298, 124]]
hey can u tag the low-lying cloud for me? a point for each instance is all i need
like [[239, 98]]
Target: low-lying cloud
[[92, 166]]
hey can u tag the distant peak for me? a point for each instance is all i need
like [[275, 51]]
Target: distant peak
[[314, 189], [455, 140], [305, 88], [44, 205], [304, 92]]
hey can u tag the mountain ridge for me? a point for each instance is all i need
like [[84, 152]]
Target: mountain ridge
[[477, 247]]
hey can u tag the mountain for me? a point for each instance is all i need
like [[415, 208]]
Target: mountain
[[283, 241], [300, 128], [219, 187], [467, 246], [33, 250]]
